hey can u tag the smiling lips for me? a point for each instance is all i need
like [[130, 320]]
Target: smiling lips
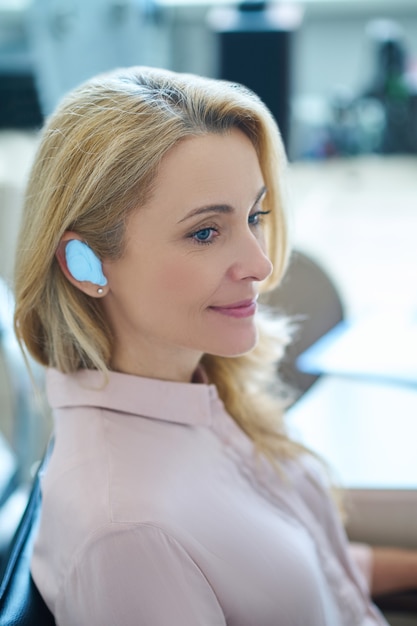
[[245, 308]]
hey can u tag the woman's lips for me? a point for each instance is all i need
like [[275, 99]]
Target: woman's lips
[[245, 308]]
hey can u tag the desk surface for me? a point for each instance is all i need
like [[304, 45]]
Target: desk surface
[[366, 431], [381, 345]]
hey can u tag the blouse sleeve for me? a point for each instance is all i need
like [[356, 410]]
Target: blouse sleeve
[[134, 575], [362, 555]]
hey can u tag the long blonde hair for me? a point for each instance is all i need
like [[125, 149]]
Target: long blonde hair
[[97, 160]]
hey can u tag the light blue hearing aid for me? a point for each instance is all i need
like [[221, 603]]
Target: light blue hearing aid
[[83, 263]]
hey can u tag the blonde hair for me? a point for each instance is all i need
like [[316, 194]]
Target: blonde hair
[[97, 160]]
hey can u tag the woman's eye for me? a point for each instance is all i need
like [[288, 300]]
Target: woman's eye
[[204, 235], [256, 218]]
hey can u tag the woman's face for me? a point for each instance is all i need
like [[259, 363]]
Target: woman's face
[[194, 256]]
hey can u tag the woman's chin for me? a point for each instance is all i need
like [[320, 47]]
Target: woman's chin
[[235, 348]]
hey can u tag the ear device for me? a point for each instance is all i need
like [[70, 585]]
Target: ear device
[[83, 264]]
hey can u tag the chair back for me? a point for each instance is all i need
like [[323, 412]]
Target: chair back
[[20, 602], [308, 295]]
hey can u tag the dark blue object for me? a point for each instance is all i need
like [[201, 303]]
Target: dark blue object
[[254, 49]]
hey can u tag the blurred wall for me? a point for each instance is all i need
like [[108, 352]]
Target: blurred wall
[[332, 52], [330, 48]]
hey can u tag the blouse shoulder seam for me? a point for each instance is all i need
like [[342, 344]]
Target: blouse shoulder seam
[[120, 526]]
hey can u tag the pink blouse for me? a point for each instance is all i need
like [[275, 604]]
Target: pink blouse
[[157, 513]]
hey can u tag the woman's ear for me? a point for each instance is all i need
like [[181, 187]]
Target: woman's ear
[[80, 265]]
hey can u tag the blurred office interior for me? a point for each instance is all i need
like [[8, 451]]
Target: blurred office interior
[[340, 75]]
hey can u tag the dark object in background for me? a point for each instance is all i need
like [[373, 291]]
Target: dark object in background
[[254, 49], [19, 104], [393, 87], [381, 119], [20, 601]]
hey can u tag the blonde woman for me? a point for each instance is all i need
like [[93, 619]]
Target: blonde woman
[[154, 217]]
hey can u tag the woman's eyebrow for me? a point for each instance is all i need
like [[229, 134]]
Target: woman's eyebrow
[[221, 208], [260, 196]]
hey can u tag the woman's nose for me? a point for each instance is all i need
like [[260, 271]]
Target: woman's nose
[[251, 260]]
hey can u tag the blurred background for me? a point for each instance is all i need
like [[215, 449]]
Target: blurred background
[[340, 76]]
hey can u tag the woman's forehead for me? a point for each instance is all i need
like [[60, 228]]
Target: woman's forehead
[[208, 168]]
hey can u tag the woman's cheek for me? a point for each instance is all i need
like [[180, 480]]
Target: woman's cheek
[[182, 276]]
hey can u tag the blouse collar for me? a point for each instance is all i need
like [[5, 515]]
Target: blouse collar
[[182, 403]]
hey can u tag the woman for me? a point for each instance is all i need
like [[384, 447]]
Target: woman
[[154, 218]]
